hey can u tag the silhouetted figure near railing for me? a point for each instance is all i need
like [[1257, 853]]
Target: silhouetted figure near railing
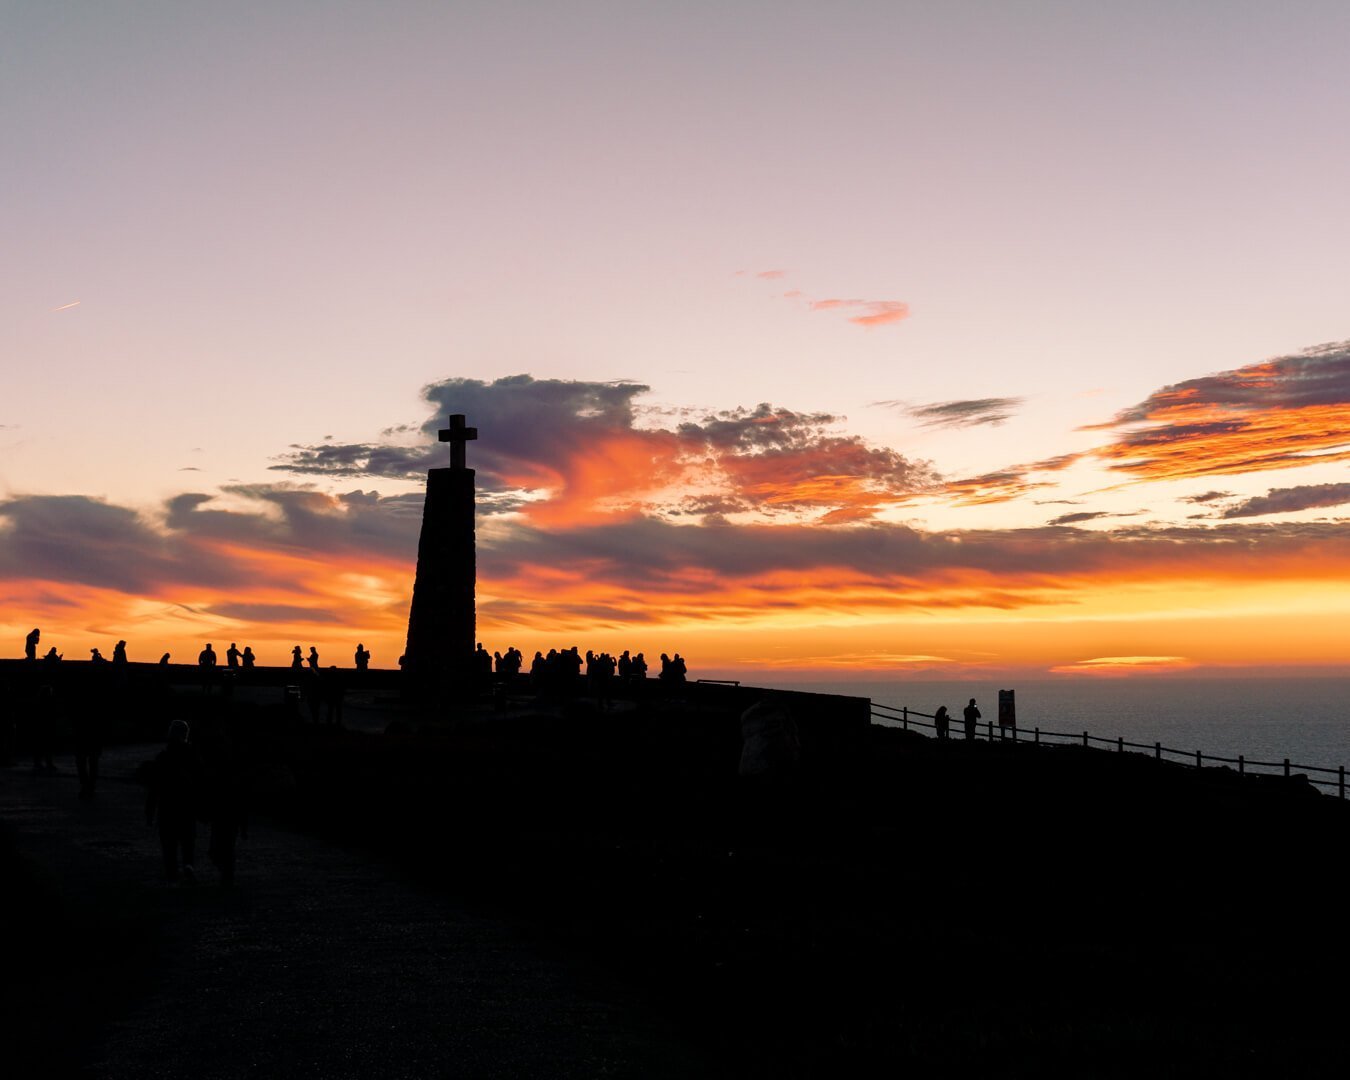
[[638, 668], [941, 721], [96, 657], [248, 659], [226, 794], [52, 658], [309, 687], [30, 644], [120, 654], [538, 669], [232, 655], [482, 664], [174, 780], [87, 724], [297, 659], [164, 660], [333, 693], [43, 719], [971, 714], [362, 657], [207, 657], [313, 659]]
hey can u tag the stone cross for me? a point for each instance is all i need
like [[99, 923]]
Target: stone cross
[[457, 435]]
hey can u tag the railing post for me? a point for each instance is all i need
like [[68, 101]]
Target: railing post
[[1199, 760], [1286, 768], [1038, 743], [904, 719], [1157, 750], [1120, 744], [991, 731], [1085, 738], [1014, 727], [1242, 764], [1340, 780]]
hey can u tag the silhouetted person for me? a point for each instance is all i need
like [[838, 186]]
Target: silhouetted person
[[972, 717], [42, 721], [207, 657], [941, 721], [120, 653], [313, 659], [171, 798], [482, 663], [30, 644], [638, 668], [96, 657], [164, 660], [297, 658], [333, 693], [362, 657], [248, 657], [87, 725], [232, 655], [52, 658]]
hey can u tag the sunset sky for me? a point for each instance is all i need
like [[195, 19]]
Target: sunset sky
[[930, 339]]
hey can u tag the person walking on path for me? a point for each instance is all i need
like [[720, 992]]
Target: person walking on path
[[972, 717], [171, 801]]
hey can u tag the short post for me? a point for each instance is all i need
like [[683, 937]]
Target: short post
[[1014, 729], [1340, 780], [1242, 764], [1085, 738], [1157, 750], [1199, 760], [1120, 744], [991, 731], [1038, 736], [904, 718], [1286, 768]]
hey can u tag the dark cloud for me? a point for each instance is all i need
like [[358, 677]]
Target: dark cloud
[[1287, 500], [266, 613], [590, 443], [1075, 518], [73, 538], [1282, 413], [967, 413], [1207, 497]]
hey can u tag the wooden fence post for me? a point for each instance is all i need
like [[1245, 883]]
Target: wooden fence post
[[904, 719], [1085, 738], [1120, 744], [1038, 741], [1286, 768], [1242, 764], [1340, 780], [1157, 750], [991, 731], [1199, 760]]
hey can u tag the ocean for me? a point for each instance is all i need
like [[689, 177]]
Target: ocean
[[1304, 719]]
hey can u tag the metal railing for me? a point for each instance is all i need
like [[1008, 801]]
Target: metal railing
[[1329, 778]]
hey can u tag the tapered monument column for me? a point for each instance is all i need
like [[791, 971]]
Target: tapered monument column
[[441, 622]]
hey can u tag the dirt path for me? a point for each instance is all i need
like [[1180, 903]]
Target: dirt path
[[319, 963]]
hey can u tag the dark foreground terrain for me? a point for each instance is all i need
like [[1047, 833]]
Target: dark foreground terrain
[[894, 906]]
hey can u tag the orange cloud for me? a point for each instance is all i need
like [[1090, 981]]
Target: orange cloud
[[1279, 414]]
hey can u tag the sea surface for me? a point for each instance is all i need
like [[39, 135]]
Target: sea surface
[[1304, 719]]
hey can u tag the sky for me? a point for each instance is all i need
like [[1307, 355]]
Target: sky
[[800, 338]]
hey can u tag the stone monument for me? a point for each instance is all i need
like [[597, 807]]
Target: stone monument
[[441, 623]]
